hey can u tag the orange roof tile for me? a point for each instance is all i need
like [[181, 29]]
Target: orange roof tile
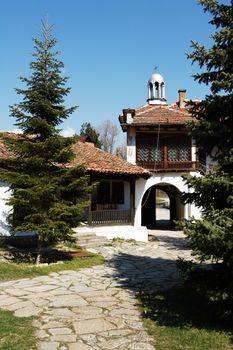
[[159, 114], [4, 151], [94, 159]]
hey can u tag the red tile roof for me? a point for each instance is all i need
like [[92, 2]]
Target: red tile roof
[[94, 159], [98, 161], [4, 151], [169, 114]]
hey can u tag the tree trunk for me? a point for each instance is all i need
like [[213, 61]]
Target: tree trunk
[[39, 249]]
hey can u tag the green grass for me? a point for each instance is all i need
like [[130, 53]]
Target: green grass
[[180, 319], [16, 332], [11, 271], [123, 240]]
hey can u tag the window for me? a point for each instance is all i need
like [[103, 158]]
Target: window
[[179, 149], [103, 192], [117, 192], [157, 90], [151, 91], [167, 148], [149, 149], [110, 192]]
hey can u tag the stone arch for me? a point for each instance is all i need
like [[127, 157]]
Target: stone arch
[[150, 216]]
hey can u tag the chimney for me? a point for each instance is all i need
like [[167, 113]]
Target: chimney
[[182, 101]]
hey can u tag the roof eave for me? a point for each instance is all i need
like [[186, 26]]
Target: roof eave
[[144, 175], [160, 124]]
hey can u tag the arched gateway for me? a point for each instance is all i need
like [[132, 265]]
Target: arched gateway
[[161, 206]]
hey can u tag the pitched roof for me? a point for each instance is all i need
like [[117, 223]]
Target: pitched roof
[[169, 114], [4, 151], [98, 161], [94, 159]]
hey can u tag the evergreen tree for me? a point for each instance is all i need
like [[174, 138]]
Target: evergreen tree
[[48, 196], [88, 130], [212, 236]]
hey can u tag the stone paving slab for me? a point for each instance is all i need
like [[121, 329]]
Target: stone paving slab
[[97, 308]]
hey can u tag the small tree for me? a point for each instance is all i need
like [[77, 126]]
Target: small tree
[[212, 236], [47, 195], [88, 130], [108, 135]]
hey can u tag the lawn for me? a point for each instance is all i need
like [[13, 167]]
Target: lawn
[[180, 319], [56, 258], [10, 271], [16, 332]]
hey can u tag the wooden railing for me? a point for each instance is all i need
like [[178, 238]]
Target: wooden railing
[[108, 217], [170, 166]]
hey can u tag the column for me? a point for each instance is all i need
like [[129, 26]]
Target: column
[[154, 91], [149, 91]]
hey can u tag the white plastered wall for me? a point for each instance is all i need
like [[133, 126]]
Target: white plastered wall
[[126, 204], [193, 150], [131, 145], [4, 208], [175, 179]]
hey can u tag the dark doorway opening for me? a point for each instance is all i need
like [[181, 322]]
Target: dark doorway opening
[[162, 206]]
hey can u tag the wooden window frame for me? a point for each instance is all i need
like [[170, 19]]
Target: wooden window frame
[[164, 144]]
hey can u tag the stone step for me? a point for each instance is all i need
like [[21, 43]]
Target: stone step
[[92, 245], [83, 233], [91, 239]]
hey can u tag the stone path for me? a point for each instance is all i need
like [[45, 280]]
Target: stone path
[[97, 308]]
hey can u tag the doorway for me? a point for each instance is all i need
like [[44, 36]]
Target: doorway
[[161, 206]]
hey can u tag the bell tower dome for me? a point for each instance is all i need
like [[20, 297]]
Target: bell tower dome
[[156, 90]]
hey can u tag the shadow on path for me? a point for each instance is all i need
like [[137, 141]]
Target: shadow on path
[[170, 242], [158, 286], [143, 273]]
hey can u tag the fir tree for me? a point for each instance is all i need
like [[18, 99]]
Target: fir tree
[[48, 196], [212, 236], [88, 130]]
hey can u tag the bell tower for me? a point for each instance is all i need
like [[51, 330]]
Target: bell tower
[[156, 90]]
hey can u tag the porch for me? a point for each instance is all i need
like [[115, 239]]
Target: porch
[[112, 201]]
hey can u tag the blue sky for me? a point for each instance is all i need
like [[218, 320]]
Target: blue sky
[[109, 48]]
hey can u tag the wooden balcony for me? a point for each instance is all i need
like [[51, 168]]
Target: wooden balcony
[[162, 166], [109, 217]]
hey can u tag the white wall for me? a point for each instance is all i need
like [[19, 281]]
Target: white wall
[[174, 179], [193, 150], [192, 210], [126, 204], [131, 145], [122, 231], [4, 208], [126, 232]]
